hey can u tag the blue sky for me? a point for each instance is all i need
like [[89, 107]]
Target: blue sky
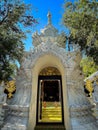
[[40, 10]]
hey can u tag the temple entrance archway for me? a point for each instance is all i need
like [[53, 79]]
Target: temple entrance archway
[[50, 99], [42, 63]]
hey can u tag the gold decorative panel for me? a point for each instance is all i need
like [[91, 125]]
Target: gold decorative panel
[[10, 88], [49, 71]]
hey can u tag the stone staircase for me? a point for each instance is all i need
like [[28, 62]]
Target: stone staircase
[[51, 112], [51, 117]]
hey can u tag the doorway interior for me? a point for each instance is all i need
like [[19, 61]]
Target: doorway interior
[[50, 99]]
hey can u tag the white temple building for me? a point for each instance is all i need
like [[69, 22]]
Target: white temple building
[[49, 88]]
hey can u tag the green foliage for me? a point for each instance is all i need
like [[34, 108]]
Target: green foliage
[[88, 66], [81, 17], [13, 17]]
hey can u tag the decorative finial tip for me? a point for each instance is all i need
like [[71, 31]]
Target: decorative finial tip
[[49, 14], [49, 17]]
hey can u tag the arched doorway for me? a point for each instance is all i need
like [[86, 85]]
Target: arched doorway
[[49, 98], [42, 62]]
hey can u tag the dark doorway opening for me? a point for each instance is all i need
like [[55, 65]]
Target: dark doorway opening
[[50, 100], [51, 91]]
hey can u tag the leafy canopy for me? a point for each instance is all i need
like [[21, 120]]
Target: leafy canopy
[[88, 66], [14, 16], [81, 17]]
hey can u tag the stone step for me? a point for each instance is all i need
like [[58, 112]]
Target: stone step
[[49, 115], [52, 120], [53, 113], [51, 109], [50, 127]]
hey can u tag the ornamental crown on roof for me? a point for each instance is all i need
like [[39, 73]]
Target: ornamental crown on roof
[[49, 33], [49, 30]]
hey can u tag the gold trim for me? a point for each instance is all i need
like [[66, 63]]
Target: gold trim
[[49, 71]]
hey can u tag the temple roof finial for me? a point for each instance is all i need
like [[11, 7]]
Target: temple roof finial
[[49, 17]]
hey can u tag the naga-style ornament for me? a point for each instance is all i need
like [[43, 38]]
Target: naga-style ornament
[[10, 88], [89, 86]]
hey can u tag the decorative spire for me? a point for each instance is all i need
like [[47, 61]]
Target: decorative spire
[[49, 17]]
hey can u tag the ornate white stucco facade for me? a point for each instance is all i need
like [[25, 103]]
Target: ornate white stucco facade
[[21, 110]]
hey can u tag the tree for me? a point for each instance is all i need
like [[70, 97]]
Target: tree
[[13, 17], [88, 66], [81, 17]]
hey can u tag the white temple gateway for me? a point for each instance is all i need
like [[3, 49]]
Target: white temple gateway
[[49, 94]]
